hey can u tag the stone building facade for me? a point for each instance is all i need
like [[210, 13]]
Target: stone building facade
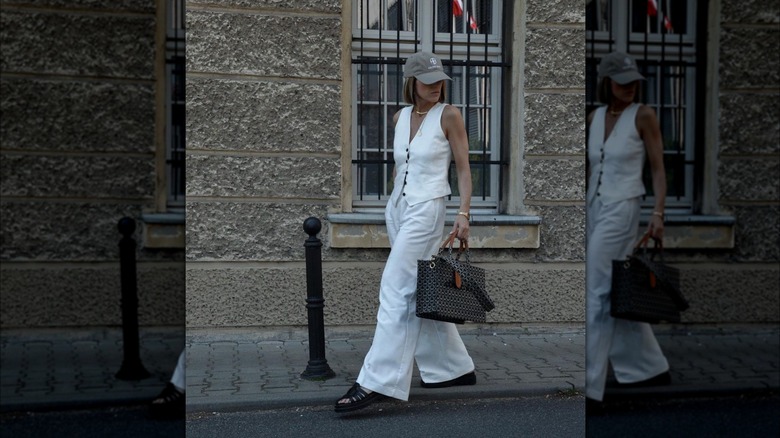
[[83, 129], [271, 110], [723, 222], [741, 176]]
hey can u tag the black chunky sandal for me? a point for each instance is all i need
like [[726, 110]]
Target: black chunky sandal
[[170, 404], [358, 399], [466, 379]]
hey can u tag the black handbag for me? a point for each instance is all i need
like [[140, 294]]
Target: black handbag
[[450, 288], [645, 289]]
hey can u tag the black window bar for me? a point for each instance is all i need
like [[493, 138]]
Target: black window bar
[[669, 62], [175, 104], [373, 165]]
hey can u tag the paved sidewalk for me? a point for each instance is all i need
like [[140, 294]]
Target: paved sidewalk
[[260, 368], [48, 368], [251, 369]]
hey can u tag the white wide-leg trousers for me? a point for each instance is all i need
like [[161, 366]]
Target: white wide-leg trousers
[[178, 373], [630, 346], [401, 337]]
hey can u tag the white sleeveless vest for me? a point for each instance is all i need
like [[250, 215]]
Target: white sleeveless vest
[[615, 164], [422, 165]]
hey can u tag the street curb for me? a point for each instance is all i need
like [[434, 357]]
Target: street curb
[[688, 391], [72, 405], [253, 402]]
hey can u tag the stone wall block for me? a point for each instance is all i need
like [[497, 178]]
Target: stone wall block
[[745, 60], [555, 58], [560, 11], [352, 295], [244, 231], [327, 6], [750, 11], [263, 116], [52, 231], [554, 124], [120, 115], [727, 295], [75, 44], [757, 237], [276, 177], [264, 45], [74, 176], [89, 296], [749, 123], [555, 180], [147, 6], [562, 234], [755, 179]]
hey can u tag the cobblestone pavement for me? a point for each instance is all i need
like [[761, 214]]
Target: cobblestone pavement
[[250, 369], [232, 369], [77, 367]]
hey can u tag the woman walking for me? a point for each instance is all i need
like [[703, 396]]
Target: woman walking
[[622, 133], [428, 135]]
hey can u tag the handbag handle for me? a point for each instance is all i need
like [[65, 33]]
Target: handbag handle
[[658, 246], [462, 248]]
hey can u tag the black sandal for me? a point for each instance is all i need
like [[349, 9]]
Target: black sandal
[[358, 399], [466, 379], [169, 404]]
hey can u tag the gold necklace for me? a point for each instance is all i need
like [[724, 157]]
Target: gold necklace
[[420, 113], [419, 128]]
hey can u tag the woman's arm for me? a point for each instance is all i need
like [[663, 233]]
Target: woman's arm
[[587, 138], [649, 130], [455, 131]]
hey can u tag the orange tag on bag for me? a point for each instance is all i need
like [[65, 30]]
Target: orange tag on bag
[[457, 280], [652, 280]]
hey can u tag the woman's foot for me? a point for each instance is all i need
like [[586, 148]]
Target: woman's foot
[[357, 398], [466, 379], [169, 404], [662, 379]]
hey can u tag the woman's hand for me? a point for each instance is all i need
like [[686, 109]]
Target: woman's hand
[[461, 227], [656, 227]]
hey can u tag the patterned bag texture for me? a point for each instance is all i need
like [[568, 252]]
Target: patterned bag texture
[[644, 289], [450, 289]]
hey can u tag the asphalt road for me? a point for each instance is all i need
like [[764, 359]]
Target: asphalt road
[[710, 417], [517, 417], [113, 422]]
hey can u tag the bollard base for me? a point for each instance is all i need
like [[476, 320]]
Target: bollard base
[[318, 371], [132, 371]]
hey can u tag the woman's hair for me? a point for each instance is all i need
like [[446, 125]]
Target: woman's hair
[[409, 95], [604, 91]]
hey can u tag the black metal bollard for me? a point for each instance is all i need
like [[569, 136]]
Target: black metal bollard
[[318, 368], [132, 368]]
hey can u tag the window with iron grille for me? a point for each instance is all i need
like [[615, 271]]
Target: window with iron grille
[[174, 104], [665, 37], [468, 36]]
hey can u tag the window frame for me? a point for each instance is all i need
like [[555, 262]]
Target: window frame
[[493, 47], [688, 51]]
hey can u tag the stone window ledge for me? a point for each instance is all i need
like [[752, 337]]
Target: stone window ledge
[[368, 230], [163, 230], [695, 231]]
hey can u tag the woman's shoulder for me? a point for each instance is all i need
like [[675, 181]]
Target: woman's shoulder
[[397, 114], [449, 111], [593, 112]]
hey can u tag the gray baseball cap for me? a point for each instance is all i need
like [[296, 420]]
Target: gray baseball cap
[[425, 67], [619, 67]]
